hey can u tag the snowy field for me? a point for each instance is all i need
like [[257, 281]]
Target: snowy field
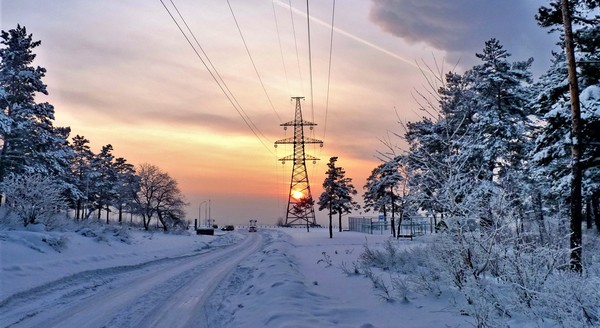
[[273, 278]]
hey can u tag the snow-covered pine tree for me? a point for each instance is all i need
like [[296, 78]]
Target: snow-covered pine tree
[[337, 194], [80, 174], [552, 153], [475, 140], [427, 166], [30, 142], [497, 138], [126, 186], [381, 189], [105, 180]]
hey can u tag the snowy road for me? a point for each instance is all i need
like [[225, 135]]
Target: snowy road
[[168, 292]]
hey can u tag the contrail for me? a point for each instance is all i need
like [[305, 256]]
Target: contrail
[[350, 35]]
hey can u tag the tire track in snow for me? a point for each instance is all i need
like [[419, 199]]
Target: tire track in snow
[[166, 292]]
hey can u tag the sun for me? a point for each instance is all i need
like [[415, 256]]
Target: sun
[[297, 194]]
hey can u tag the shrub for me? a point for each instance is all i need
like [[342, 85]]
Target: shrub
[[31, 196]]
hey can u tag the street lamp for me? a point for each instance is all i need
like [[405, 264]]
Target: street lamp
[[206, 211]]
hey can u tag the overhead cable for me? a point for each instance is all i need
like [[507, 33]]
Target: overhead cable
[[252, 60], [312, 101], [280, 47], [296, 45], [329, 70], [229, 97]]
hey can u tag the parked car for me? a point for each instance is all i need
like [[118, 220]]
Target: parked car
[[228, 228], [252, 229]]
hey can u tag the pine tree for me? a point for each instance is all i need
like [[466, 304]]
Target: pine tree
[[501, 95], [381, 189], [552, 105], [105, 181], [80, 173], [337, 194], [126, 186], [579, 23], [30, 142]]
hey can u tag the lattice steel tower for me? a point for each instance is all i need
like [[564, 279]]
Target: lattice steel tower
[[299, 186]]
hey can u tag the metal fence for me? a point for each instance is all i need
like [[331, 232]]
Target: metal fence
[[410, 227]]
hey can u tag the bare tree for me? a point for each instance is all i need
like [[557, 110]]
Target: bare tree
[[158, 195]]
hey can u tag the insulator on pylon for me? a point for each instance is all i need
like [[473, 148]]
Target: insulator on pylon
[[285, 128]]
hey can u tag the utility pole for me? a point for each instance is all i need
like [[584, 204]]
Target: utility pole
[[299, 192]]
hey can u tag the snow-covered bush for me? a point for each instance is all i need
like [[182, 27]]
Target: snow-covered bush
[[31, 196], [496, 277]]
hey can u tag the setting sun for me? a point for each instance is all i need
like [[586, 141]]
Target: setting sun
[[297, 194]]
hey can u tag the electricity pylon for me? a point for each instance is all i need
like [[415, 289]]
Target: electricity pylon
[[297, 208]]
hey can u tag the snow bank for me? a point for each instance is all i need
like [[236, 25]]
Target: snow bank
[[32, 258]]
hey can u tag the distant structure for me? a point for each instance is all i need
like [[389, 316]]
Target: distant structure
[[299, 186]]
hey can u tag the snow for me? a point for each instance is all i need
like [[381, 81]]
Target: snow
[[590, 103], [275, 278]]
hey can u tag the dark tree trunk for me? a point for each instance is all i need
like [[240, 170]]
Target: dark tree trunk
[[588, 213], [3, 155], [162, 221], [576, 216], [120, 213], [596, 209], [78, 214], [146, 222], [384, 218], [393, 218], [330, 222], [539, 215], [400, 217], [340, 220], [107, 211]]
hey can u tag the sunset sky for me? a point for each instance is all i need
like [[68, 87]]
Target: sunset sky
[[120, 72]]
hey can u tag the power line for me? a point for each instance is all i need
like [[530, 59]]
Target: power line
[[312, 101], [280, 47], [245, 119], [241, 109], [216, 71], [329, 70], [296, 45], [252, 60]]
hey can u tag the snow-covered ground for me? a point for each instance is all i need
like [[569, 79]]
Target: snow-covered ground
[[272, 278]]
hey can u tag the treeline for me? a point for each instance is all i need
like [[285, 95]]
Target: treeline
[[42, 171]]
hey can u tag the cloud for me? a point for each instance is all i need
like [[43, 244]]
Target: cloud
[[461, 27]]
